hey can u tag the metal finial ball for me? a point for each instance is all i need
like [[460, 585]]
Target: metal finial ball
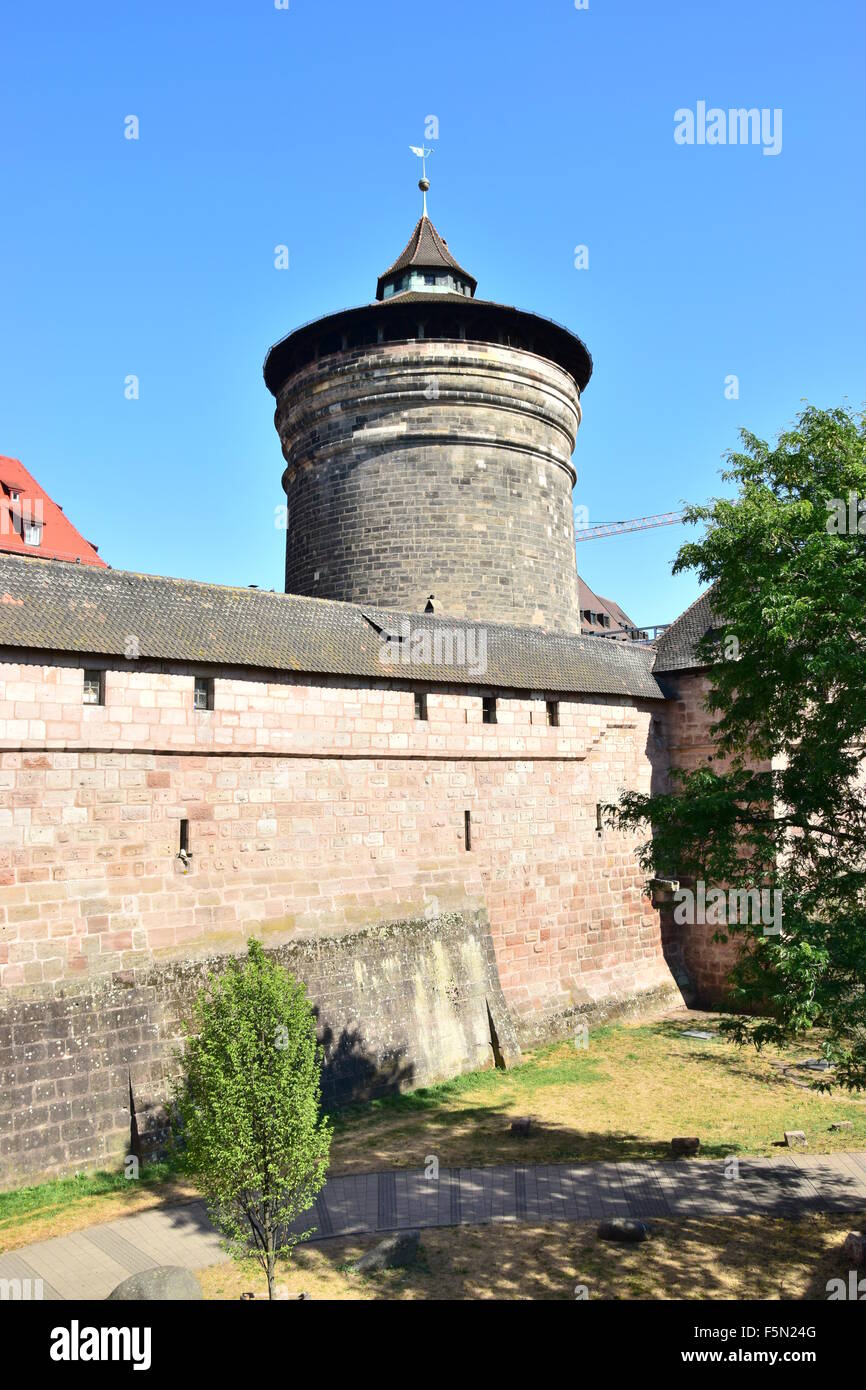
[[424, 184]]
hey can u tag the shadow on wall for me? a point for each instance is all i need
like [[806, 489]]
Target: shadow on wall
[[657, 752], [350, 1073]]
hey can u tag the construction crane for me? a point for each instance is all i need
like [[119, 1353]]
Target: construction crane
[[619, 528]]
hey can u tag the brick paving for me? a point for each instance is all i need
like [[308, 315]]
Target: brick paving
[[88, 1264]]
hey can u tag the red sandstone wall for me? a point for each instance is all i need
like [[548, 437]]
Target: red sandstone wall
[[691, 745], [316, 808]]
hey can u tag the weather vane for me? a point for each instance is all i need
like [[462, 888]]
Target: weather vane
[[423, 183]]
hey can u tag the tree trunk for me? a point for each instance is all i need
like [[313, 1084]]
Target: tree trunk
[[271, 1262]]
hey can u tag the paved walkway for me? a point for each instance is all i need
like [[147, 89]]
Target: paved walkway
[[89, 1263]]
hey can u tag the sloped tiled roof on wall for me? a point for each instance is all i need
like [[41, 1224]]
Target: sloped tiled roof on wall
[[676, 648], [55, 607]]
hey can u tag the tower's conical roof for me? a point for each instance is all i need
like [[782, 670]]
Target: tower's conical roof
[[427, 251]]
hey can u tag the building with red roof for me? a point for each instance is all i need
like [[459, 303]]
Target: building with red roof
[[32, 523], [603, 617]]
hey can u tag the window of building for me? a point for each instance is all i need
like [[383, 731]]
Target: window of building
[[32, 533], [183, 850], [467, 829], [488, 709], [429, 279], [202, 697], [420, 704], [553, 713], [94, 688]]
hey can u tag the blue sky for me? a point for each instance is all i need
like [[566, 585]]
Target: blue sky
[[261, 126]]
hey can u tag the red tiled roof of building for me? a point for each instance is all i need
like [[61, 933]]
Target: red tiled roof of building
[[31, 523], [602, 615]]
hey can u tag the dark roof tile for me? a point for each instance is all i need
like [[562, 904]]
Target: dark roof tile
[[425, 250]]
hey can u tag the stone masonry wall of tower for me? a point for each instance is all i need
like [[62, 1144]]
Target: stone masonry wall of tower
[[433, 467]]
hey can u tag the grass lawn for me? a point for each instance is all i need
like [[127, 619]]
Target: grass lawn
[[730, 1257], [69, 1204], [625, 1096]]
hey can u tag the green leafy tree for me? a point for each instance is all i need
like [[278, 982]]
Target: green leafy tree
[[249, 1105], [783, 804]]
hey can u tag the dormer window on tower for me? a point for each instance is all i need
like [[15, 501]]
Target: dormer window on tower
[[428, 282]]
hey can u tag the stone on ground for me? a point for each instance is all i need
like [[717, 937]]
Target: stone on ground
[[521, 1127], [685, 1146], [625, 1229], [842, 1124], [395, 1252], [854, 1248], [795, 1139], [162, 1283]]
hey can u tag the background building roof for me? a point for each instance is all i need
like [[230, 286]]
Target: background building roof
[[602, 615], [23, 501]]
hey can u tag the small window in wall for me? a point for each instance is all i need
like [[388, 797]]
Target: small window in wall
[[599, 819], [33, 533], [488, 709], [183, 849], [202, 697], [420, 704], [467, 829], [94, 688], [553, 713]]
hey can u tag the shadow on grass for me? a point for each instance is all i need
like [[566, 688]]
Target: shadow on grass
[[742, 1061], [481, 1136], [693, 1259], [405, 1127]]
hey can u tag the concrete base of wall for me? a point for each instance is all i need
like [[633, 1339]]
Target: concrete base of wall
[[536, 1030], [87, 1071]]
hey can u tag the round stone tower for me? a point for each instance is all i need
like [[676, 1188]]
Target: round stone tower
[[428, 440]]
